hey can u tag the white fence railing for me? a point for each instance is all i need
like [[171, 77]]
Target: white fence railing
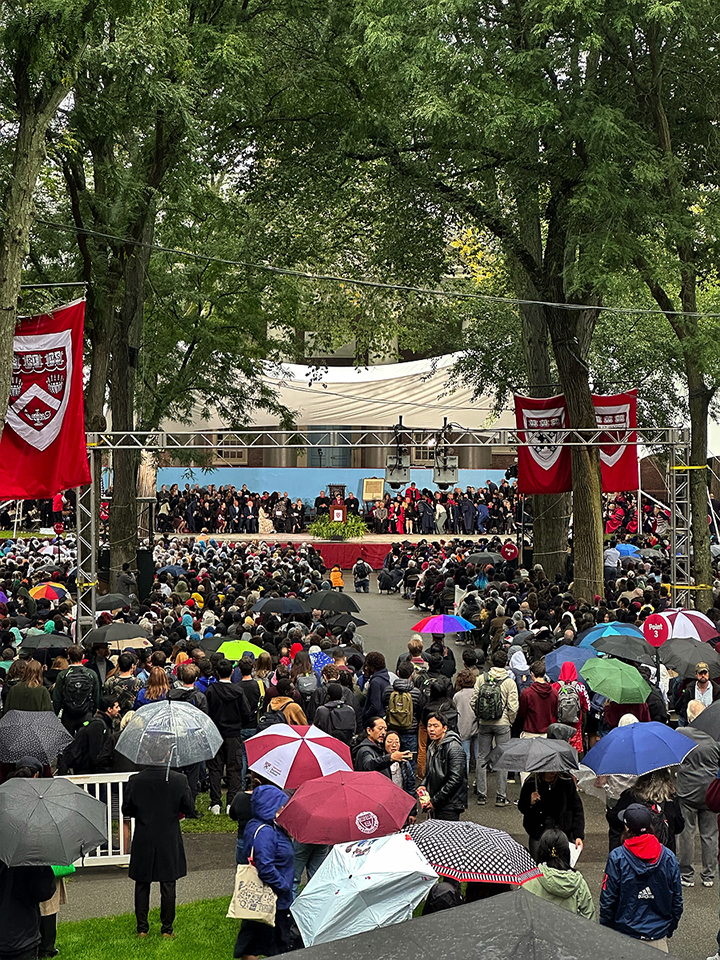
[[109, 788]]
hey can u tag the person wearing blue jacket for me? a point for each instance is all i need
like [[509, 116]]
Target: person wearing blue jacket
[[377, 680], [641, 890], [274, 858]]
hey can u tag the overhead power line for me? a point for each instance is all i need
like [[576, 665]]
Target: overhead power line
[[363, 282]]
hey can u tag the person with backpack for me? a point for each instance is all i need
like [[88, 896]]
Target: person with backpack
[[404, 702], [361, 576], [284, 704], [228, 709], [658, 791], [76, 695], [495, 704], [123, 684], [85, 753], [306, 682], [336, 717], [573, 703]]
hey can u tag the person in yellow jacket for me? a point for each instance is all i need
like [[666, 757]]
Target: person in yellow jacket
[[336, 578]]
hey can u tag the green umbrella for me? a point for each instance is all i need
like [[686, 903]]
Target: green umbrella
[[236, 649], [616, 680]]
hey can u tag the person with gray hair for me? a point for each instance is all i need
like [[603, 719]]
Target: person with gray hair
[[695, 774]]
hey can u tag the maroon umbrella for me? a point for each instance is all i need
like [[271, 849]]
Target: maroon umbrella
[[345, 806]]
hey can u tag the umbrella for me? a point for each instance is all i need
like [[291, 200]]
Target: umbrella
[[469, 851], [236, 649], [283, 605], [112, 601], [3, 597], [345, 806], [173, 569], [687, 623], [211, 643], [32, 733], [343, 619], [169, 732], [48, 591], [626, 648], [288, 756], [53, 551], [682, 655], [443, 623], [616, 680], [511, 926], [48, 822], [113, 632], [332, 600], [709, 720], [638, 748], [488, 557], [650, 553], [132, 643], [610, 630], [47, 641], [556, 658], [534, 756], [320, 660], [361, 886], [627, 549]]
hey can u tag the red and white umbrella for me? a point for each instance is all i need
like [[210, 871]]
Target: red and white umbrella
[[288, 756], [690, 623]]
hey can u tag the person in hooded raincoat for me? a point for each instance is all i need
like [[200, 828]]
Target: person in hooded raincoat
[[569, 677], [560, 883]]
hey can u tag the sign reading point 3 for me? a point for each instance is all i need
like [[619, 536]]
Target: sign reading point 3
[[656, 630]]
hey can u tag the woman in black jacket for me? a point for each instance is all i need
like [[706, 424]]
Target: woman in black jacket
[[551, 800]]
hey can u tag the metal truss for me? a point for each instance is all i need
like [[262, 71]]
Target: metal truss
[[174, 445], [261, 439]]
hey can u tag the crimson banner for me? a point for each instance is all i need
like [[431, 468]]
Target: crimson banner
[[618, 456], [42, 449], [543, 462]]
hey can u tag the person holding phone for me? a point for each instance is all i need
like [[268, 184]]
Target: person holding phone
[[401, 771]]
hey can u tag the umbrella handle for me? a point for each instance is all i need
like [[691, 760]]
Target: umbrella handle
[[169, 763]]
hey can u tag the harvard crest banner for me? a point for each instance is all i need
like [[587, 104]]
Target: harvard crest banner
[[543, 461], [619, 456], [42, 449]]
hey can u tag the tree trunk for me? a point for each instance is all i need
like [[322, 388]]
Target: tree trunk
[[587, 487], [699, 399], [17, 216]]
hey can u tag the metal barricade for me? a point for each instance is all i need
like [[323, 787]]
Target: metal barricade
[[109, 788]]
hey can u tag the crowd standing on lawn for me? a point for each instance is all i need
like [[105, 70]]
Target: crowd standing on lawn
[[295, 656]]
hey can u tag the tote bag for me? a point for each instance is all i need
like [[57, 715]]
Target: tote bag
[[252, 899]]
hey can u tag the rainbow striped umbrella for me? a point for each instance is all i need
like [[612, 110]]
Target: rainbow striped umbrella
[[49, 591]]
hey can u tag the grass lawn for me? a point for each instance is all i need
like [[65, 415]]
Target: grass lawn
[[208, 822], [23, 535], [202, 931]]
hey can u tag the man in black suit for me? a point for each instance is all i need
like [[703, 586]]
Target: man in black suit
[[156, 797]]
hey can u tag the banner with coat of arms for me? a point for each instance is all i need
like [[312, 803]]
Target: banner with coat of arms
[[42, 449], [543, 461]]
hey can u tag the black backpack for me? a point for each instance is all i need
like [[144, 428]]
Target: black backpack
[[77, 695], [272, 717], [342, 722]]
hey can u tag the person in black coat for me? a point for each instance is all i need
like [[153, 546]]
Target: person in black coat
[[551, 799], [156, 797], [446, 780], [22, 890]]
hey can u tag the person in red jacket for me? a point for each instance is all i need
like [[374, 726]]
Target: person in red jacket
[[538, 703]]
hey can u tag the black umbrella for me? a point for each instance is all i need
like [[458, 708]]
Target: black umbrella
[[112, 601], [332, 600], [537, 755], [48, 641], [709, 720], [174, 570], [283, 605], [48, 822], [343, 619], [114, 631], [211, 643], [511, 926], [32, 733], [626, 647], [487, 557], [683, 654]]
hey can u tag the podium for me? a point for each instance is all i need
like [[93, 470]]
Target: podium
[[338, 514]]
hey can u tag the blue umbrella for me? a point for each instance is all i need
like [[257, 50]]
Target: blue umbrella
[[638, 748], [610, 630], [627, 550], [174, 570], [319, 660], [556, 658]]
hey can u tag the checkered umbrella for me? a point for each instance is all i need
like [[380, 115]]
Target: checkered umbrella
[[469, 851]]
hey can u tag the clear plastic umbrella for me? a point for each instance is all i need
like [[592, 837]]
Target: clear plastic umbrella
[[170, 733]]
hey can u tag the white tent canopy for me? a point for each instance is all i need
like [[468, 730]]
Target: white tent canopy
[[372, 396]]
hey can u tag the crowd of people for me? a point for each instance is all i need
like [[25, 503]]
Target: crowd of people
[[427, 721]]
